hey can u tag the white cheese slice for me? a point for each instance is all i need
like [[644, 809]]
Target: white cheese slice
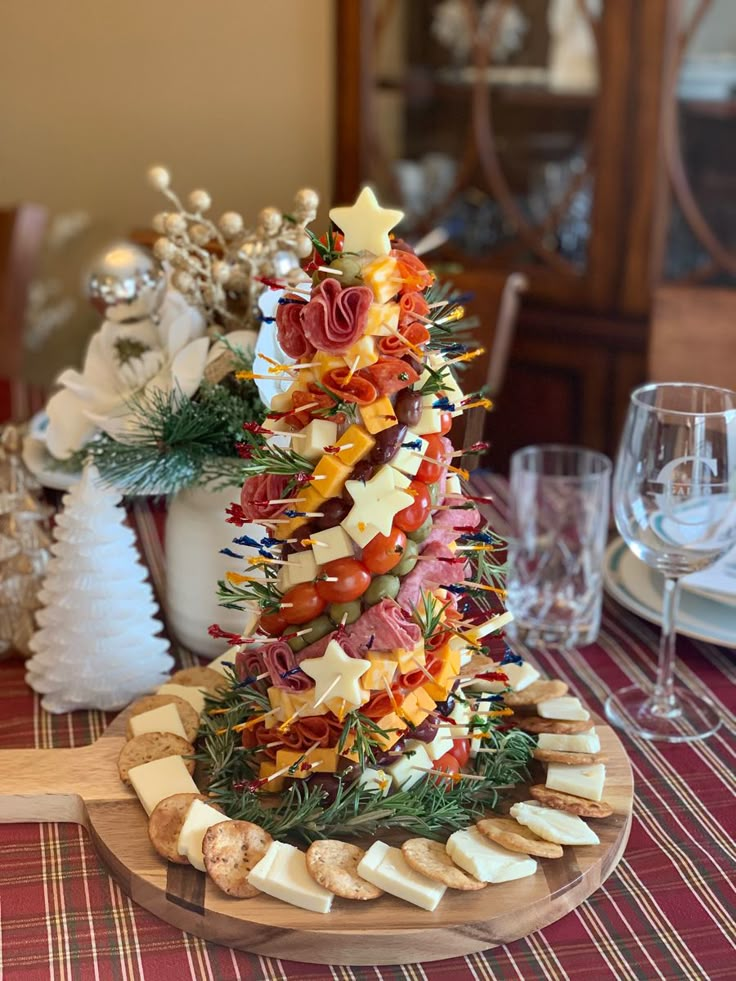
[[430, 421], [578, 742], [520, 676], [200, 816], [283, 874], [441, 744], [311, 441], [581, 780], [408, 460], [195, 696], [165, 718], [372, 779], [387, 868], [161, 778], [485, 860], [552, 825], [334, 543], [409, 770], [565, 707], [300, 567]]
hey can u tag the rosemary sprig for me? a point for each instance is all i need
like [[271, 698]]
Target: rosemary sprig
[[428, 614], [437, 381], [366, 737], [238, 595], [267, 458]]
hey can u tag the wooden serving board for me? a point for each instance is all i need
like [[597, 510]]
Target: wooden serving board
[[82, 786]]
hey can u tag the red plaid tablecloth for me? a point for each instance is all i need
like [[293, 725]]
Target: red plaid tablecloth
[[666, 912]]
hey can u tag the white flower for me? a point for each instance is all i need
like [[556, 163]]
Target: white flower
[[124, 363]]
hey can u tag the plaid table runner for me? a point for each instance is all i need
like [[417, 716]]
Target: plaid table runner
[[666, 912]]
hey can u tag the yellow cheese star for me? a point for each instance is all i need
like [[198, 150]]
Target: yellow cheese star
[[366, 224], [337, 675]]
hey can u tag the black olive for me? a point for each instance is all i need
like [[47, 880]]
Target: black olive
[[388, 442], [408, 406], [333, 511]]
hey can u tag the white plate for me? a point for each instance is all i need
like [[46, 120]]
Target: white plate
[[639, 589]]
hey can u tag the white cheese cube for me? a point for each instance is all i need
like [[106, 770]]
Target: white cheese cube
[[565, 707], [430, 421], [387, 868], [195, 696], [453, 487], [283, 874], [409, 770], [460, 714], [311, 441], [166, 718], [441, 744], [334, 543], [408, 460], [300, 567], [552, 825], [578, 742], [360, 530], [161, 778], [450, 386], [200, 816], [401, 481], [371, 779], [220, 664], [485, 860], [580, 780], [520, 677]]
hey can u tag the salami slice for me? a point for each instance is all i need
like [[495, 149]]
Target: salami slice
[[335, 318], [280, 663]]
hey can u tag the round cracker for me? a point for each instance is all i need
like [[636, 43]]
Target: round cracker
[[570, 803], [430, 858], [165, 823], [334, 865], [508, 833], [478, 664], [537, 691], [533, 723], [570, 759], [199, 677], [189, 717], [231, 850], [152, 746]]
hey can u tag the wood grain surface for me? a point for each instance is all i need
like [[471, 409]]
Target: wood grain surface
[[82, 785]]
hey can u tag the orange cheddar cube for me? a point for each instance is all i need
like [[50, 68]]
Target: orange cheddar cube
[[383, 319], [310, 499], [393, 725], [382, 276], [358, 445], [407, 660], [330, 477], [445, 677], [361, 354], [416, 706], [380, 673], [321, 760], [379, 415], [266, 770]]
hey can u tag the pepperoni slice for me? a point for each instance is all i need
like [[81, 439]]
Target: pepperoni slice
[[412, 335], [412, 305], [390, 375], [414, 274], [353, 388]]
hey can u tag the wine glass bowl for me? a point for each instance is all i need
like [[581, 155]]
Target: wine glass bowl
[[674, 499]]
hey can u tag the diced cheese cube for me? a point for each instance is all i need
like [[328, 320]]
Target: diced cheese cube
[[379, 415], [565, 707], [582, 780], [312, 440], [161, 778], [329, 477], [195, 696], [383, 319], [408, 770], [361, 531], [441, 744], [393, 726], [358, 444], [334, 543], [453, 487], [430, 421], [322, 760], [166, 718], [199, 818], [361, 354], [461, 715], [486, 860], [578, 742], [407, 659], [300, 567], [381, 672], [372, 779], [520, 676], [383, 277], [289, 702], [281, 401], [309, 499], [387, 868], [445, 677], [266, 770], [225, 662], [552, 825], [283, 874], [408, 459], [416, 706]]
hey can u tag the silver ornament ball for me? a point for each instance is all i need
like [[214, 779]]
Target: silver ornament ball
[[126, 283]]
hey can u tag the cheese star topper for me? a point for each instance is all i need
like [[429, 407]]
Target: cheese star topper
[[337, 674], [366, 224], [376, 504]]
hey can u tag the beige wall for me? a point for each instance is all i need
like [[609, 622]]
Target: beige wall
[[233, 95]]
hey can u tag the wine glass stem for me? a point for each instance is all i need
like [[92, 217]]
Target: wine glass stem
[[663, 700]]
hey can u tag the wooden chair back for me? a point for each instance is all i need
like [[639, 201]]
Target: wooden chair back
[[21, 238], [693, 336]]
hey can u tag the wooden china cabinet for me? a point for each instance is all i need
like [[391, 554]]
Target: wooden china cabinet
[[589, 144]]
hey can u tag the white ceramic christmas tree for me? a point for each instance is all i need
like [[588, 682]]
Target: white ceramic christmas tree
[[97, 645]]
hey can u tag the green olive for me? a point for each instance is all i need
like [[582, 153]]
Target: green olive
[[296, 644], [434, 493], [382, 587], [318, 628], [336, 611], [408, 559], [422, 532], [351, 269]]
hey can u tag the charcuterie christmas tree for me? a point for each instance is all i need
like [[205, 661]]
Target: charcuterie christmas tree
[[367, 677]]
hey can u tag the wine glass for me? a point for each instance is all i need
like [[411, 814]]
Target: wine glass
[[674, 499]]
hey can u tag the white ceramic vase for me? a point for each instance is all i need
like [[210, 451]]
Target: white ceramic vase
[[196, 530]]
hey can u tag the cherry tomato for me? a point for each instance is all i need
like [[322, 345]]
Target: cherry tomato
[[383, 552], [272, 623], [460, 750], [417, 513], [449, 765], [306, 603], [352, 581], [446, 422], [429, 472]]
